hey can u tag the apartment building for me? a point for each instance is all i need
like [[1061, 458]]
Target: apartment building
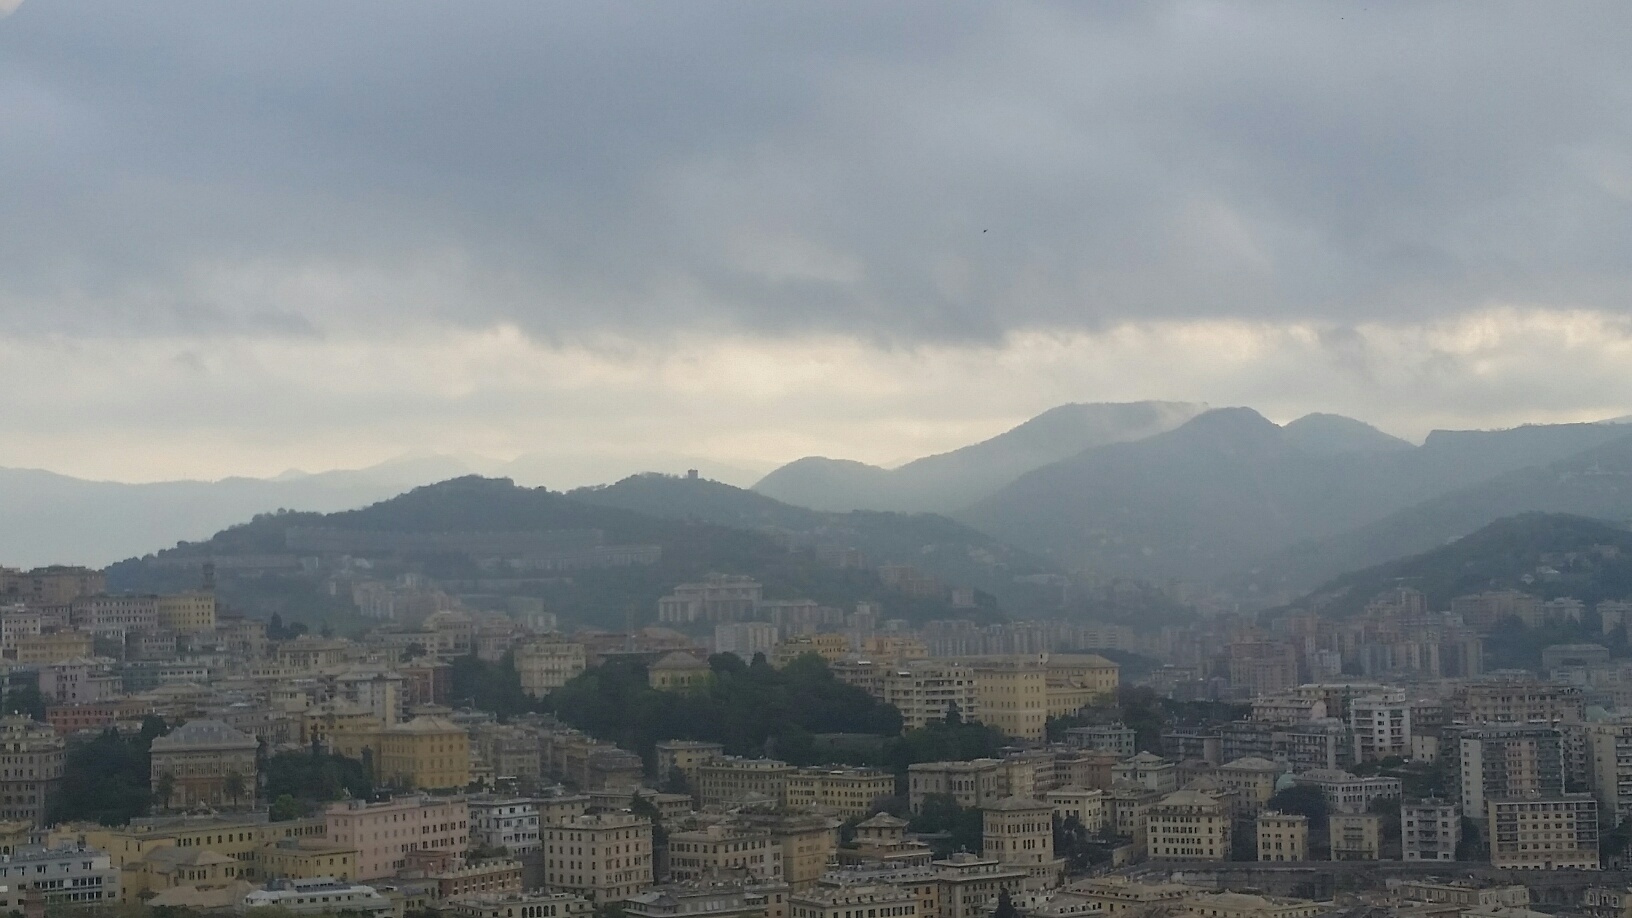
[[1252, 780], [1508, 762], [511, 823], [519, 905], [884, 900], [1355, 836], [187, 613], [926, 691], [31, 757], [602, 857], [1188, 825], [1263, 667], [843, 792], [729, 779], [1348, 793], [1148, 770], [724, 849], [721, 598], [1283, 836], [545, 666], [973, 784], [1114, 738], [114, 616], [240, 836], [385, 833], [426, 753], [66, 876], [1558, 833], [204, 762], [745, 639], [685, 756], [1087, 807], [1610, 765], [1381, 725], [1516, 702], [1429, 830], [1019, 833]]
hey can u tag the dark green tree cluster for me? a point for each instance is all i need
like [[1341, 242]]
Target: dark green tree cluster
[[106, 779], [24, 699], [752, 709], [942, 741], [492, 687], [949, 828], [1303, 800], [295, 781]]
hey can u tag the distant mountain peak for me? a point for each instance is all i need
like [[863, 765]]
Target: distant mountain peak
[[1331, 434]]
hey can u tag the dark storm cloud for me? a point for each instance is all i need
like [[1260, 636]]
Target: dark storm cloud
[[903, 172]]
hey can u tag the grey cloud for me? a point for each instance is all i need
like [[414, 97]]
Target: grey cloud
[[902, 172]]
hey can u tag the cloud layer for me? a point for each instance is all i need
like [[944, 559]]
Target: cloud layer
[[315, 233]]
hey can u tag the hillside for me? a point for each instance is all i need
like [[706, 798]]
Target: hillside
[[53, 518], [1595, 483], [690, 550], [954, 479], [1333, 434], [1547, 554], [942, 547], [1230, 489]]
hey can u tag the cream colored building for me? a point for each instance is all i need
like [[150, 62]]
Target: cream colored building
[[808, 842], [1188, 826], [204, 762], [925, 691], [879, 900], [384, 834], [1355, 836], [603, 857], [1253, 781], [685, 756], [545, 666], [724, 848], [54, 647], [1247, 905], [1558, 833], [973, 784], [843, 792], [32, 770], [1283, 836], [1019, 833], [426, 753], [187, 613], [1086, 806], [728, 780]]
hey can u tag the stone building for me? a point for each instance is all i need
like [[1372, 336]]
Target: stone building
[[32, 768], [1019, 833], [204, 762], [1283, 836], [604, 857]]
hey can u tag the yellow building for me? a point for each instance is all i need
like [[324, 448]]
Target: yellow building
[[55, 647], [1188, 825], [679, 672], [305, 858], [1283, 836], [1019, 833], [1087, 807], [1355, 836], [170, 868], [237, 836], [204, 762], [1553, 833], [729, 780], [187, 613], [842, 792], [830, 647], [426, 753], [1012, 695], [545, 665], [724, 848], [894, 648]]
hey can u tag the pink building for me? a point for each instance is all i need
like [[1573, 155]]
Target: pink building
[[385, 833]]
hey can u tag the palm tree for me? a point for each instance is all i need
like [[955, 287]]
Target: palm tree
[[234, 786], [166, 788]]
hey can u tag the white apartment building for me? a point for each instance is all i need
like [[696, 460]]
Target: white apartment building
[[510, 823], [1381, 725], [1429, 830]]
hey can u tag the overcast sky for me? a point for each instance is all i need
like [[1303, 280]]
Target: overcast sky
[[240, 237]]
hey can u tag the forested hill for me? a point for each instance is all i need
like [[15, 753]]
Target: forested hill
[[1547, 554], [947, 549], [691, 548]]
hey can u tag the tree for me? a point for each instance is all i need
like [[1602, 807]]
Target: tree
[[285, 808], [166, 788], [233, 786], [1305, 800], [1005, 905], [675, 782], [25, 699]]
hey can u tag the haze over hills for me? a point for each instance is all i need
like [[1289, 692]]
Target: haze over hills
[[690, 549], [1230, 488], [951, 480], [1546, 554]]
